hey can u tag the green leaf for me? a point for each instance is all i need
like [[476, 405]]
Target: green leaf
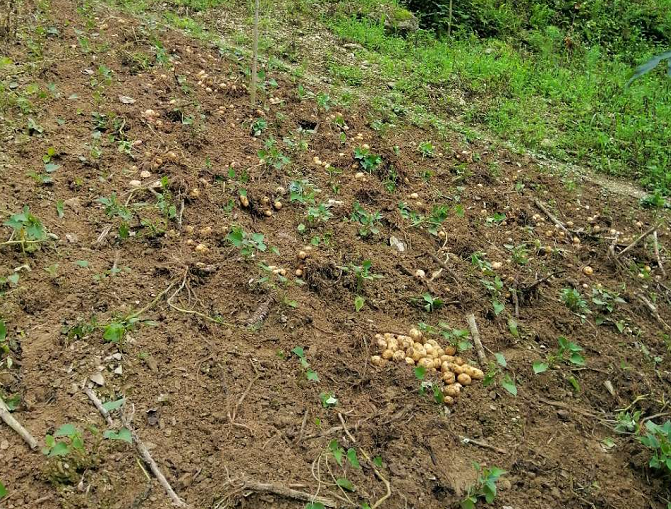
[[358, 303], [540, 367], [351, 457], [512, 327], [82, 263], [60, 206], [501, 360], [110, 406], [67, 430], [51, 167], [123, 434], [336, 451], [469, 503], [498, 307], [60, 449], [3, 330], [420, 372], [312, 375], [3, 490], [298, 351], [508, 384], [345, 484], [577, 359], [114, 332], [315, 505], [378, 461]]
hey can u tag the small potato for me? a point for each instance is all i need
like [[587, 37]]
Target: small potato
[[399, 355], [277, 205], [194, 193], [445, 367], [299, 272], [452, 390], [387, 354], [457, 369], [427, 363], [458, 360], [447, 358], [416, 356], [428, 348], [448, 377], [410, 361], [267, 212], [448, 400], [387, 335], [381, 342], [376, 360], [464, 379], [418, 346], [244, 201], [476, 374], [415, 334], [436, 363], [450, 350]]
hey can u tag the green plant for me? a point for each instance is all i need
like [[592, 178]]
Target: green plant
[[114, 208], [574, 301], [497, 374], [485, 486], [606, 302], [259, 126], [4, 347], [367, 160], [319, 214], [361, 273], [3, 490], [658, 440], [328, 399], [438, 215], [438, 396], [74, 442], [272, 156], [302, 192], [116, 330], [431, 303], [426, 148], [519, 254], [369, 221], [628, 422], [27, 230], [248, 244], [648, 66], [567, 353], [310, 374]]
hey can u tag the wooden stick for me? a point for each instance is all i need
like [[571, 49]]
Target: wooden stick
[[442, 264], [255, 52], [639, 238], [287, 492], [344, 427], [475, 334], [659, 258], [653, 310], [482, 444], [141, 449], [553, 218], [10, 421]]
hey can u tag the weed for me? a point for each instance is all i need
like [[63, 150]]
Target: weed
[[272, 156], [497, 374], [362, 273], [310, 374], [606, 302], [369, 221], [116, 330], [5, 350], [518, 254], [27, 230], [438, 396], [319, 214], [567, 353], [114, 208], [427, 149], [658, 440], [328, 399], [628, 422], [259, 126], [367, 160], [573, 300], [248, 244], [430, 303], [438, 215], [74, 442], [485, 486]]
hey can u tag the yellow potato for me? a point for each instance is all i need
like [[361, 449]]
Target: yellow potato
[[399, 355], [458, 360], [448, 377], [448, 400], [409, 361], [450, 350], [452, 390], [387, 354], [464, 379], [376, 360]]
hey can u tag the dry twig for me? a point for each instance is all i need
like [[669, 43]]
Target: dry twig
[[657, 255], [475, 334], [553, 218], [10, 421], [482, 444], [639, 238]]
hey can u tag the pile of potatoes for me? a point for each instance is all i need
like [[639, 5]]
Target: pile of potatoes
[[414, 350]]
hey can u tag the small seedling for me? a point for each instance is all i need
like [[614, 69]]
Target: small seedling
[[430, 303], [369, 221], [271, 155], [74, 442], [628, 422], [27, 230], [369, 162], [605, 302], [485, 486], [328, 399], [574, 301], [567, 353], [427, 149], [302, 192], [248, 244], [658, 440], [497, 374], [259, 126], [309, 373]]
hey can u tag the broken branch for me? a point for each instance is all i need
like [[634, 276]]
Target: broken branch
[[639, 238], [475, 334], [10, 421]]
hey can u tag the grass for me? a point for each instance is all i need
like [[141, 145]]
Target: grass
[[571, 106]]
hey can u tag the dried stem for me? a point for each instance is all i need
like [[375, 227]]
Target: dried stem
[[475, 334], [10, 421], [657, 255], [639, 238]]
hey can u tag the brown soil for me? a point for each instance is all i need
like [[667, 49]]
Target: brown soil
[[185, 374]]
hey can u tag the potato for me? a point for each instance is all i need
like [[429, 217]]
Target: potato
[[436, 363], [433, 343], [381, 341], [457, 369], [428, 348], [416, 355], [448, 400], [299, 272], [464, 379], [399, 355], [459, 360], [427, 363], [450, 350], [387, 335], [448, 377], [415, 334], [387, 354], [452, 390], [410, 361], [376, 360], [476, 374]]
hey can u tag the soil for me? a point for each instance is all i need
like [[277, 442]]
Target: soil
[[209, 373]]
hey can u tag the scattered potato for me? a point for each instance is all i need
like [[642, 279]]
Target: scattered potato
[[376, 360], [464, 379], [587, 270]]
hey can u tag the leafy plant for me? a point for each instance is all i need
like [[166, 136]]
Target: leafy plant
[[431, 303], [247, 243], [310, 374], [271, 155], [567, 353], [573, 300], [426, 148], [485, 486], [259, 126], [302, 192], [648, 66], [362, 273], [320, 213], [328, 399], [114, 208], [438, 215], [28, 230], [438, 396], [116, 330], [369, 162], [628, 422], [369, 221], [74, 442], [497, 374], [658, 440], [605, 302]]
